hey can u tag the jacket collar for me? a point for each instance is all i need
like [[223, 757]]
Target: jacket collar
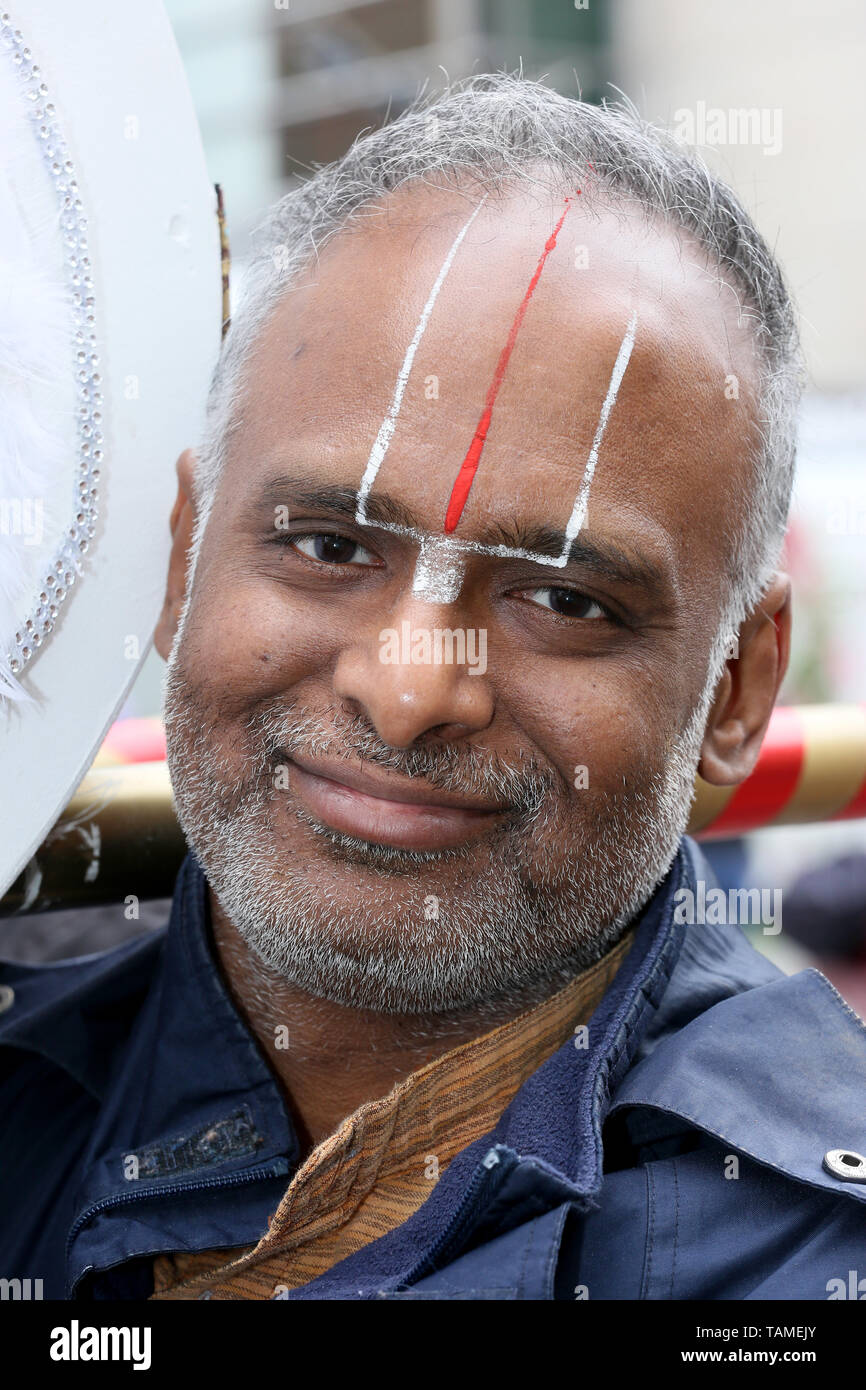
[[769, 1065], [690, 1014], [191, 1105]]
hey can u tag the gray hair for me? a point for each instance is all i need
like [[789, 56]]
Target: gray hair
[[501, 130]]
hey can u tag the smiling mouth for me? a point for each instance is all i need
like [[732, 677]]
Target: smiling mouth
[[389, 811]]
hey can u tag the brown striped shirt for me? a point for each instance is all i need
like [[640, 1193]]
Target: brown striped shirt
[[383, 1161]]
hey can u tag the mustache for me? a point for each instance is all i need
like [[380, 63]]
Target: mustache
[[525, 787]]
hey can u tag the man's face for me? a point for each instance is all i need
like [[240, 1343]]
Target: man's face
[[402, 832]]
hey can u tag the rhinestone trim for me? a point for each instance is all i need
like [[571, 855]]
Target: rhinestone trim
[[66, 566]]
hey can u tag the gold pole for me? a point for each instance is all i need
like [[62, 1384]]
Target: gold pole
[[117, 838]]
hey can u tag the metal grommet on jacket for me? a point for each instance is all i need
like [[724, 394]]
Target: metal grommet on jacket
[[7, 998], [846, 1164]]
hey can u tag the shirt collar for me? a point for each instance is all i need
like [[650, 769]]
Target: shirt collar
[[546, 1149], [434, 1113]]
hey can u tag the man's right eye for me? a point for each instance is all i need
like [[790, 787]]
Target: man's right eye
[[331, 549]]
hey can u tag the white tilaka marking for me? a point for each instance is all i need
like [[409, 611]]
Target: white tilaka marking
[[440, 566], [578, 516], [386, 429], [439, 571]]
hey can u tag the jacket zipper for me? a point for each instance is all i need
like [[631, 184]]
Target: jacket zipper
[[278, 1168], [488, 1176]]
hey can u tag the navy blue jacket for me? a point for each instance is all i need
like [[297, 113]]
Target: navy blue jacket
[[678, 1156]]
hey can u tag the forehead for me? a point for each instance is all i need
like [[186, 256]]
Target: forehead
[[447, 301]]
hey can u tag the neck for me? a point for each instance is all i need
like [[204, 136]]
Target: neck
[[329, 1058]]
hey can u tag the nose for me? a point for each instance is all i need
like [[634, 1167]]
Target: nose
[[402, 679]]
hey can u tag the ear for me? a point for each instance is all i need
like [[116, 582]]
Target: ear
[[181, 521], [747, 691]]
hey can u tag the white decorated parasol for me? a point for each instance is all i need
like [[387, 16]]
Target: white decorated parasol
[[110, 314]]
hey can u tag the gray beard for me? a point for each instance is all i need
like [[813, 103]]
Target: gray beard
[[521, 920]]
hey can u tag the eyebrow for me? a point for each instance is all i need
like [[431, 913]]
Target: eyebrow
[[594, 554], [306, 491], [601, 557]]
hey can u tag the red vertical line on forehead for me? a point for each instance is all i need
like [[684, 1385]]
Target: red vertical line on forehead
[[469, 466]]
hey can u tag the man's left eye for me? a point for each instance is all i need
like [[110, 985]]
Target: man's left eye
[[567, 603], [331, 549]]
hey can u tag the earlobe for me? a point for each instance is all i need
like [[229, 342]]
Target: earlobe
[[182, 523], [747, 691]]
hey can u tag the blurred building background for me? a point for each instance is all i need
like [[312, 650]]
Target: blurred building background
[[282, 85], [279, 87]]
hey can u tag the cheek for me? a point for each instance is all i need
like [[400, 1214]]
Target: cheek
[[605, 723], [249, 641]]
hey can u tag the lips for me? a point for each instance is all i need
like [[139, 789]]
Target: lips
[[389, 810]]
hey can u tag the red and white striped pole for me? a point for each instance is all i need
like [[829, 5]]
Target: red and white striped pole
[[812, 767]]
